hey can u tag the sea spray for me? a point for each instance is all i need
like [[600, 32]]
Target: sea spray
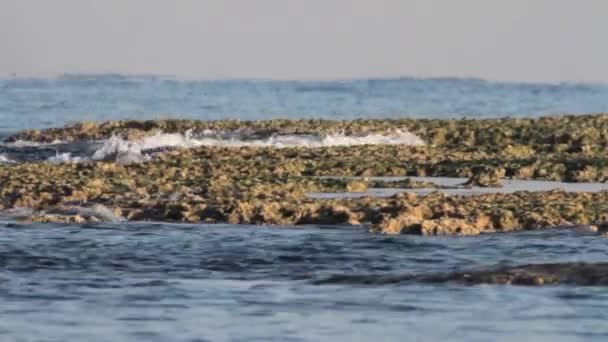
[[5, 159], [128, 151], [116, 144], [65, 157]]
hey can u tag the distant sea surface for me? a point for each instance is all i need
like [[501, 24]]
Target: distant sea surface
[[149, 281], [41, 103]]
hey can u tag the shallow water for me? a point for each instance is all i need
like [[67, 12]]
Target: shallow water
[[509, 186], [166, 282], [163, 282]]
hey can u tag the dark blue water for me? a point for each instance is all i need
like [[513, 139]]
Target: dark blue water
[[163, 282]]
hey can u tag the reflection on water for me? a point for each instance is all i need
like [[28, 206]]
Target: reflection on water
[[168, 282], [159, 282], [42, 103], [454, 187]]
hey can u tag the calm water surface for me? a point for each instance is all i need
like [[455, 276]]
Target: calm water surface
[[40, 103], [164, 282]]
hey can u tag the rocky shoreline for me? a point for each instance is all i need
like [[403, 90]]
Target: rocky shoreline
[[269, 186]]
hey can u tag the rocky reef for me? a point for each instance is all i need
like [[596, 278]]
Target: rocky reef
[[579, 274], [520, 137], [267, 185]]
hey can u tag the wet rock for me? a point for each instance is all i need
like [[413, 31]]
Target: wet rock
[[357, 186], [271, 213], [269, 185], [504, 220], [407, 183], [326, 214], [52, 218], [403, 223], [448, 226], [580, 274], [515, 137], [518, 151], [485, 176], [587, 174], [524, 172]]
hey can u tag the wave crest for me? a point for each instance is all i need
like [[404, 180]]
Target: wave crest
[[127, 151]]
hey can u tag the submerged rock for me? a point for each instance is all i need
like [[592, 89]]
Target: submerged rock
[[579, 274]]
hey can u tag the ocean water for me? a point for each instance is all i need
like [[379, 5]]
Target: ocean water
[[41, 103], [136, 281], [455, 188], [168, 282]]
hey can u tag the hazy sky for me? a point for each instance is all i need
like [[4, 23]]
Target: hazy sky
[[528, 40]]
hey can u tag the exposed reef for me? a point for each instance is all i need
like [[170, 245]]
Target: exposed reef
[[517, 137], [266, 185]]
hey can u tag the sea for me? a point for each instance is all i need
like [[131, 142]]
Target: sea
[[155, 281]]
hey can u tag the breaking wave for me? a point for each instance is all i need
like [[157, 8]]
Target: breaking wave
[[127, 151], [131, 149], [64, 157], [6, 160], [26, 143]]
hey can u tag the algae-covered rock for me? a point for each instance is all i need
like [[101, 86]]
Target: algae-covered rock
[[406, 183], [485, 176], [518, 151], [404, 223], [265, 185], [504, 220], [357, 186], [587, 174], [448, 226]]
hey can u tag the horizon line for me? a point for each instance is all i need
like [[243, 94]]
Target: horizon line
[[63, 75]]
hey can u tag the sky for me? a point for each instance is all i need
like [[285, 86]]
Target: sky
[[515, 40]]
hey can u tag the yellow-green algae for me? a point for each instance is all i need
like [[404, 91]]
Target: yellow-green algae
[[516, 136], [261, 185]]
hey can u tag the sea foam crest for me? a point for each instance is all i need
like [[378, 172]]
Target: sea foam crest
[[27, 143], [65, 157], [120, 147], [101, 212], [115, 145], [210, 138], [131, 151], [125, 151], [5, 159]]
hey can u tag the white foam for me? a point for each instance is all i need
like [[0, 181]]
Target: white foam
[[27, 143], [65, 157], [131, 151], [6, 160], [124, 158], [115, 145], [17, 213], [278, 141], [126, 152], [160, 140], [102, 212]]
